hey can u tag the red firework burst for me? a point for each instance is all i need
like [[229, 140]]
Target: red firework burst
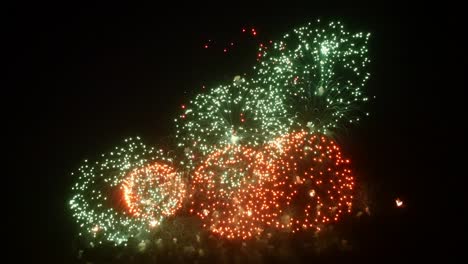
[[311, 179], [229, 196]]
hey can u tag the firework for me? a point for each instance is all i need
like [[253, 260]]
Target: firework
[[244, 113], [228, 194], [104, 204], [311, 179], [154, 191], [321, 70], [224, 172]]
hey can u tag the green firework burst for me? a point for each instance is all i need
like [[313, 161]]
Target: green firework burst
[[98, 203], [245, 113], [321, 70]]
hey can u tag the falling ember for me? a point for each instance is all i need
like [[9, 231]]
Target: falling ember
[[399, 203], [95, 229]]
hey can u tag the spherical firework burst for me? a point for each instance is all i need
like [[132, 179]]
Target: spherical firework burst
[[154, 191], [99, 204], [311, 179], [321, 71], [245, 113], [227, 195]]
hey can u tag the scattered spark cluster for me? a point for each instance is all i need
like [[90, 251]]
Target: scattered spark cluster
[[104, 204], [226, 46], [321, 71], [313, 183]]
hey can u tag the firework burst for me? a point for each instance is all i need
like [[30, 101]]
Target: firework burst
[[244, 113], [228, 195], [105, 204], [321, 70], [311, 179]]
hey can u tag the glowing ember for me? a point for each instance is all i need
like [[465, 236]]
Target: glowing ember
[[399, 203]]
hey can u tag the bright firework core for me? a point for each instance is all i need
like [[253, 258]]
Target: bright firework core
[[234, 139]]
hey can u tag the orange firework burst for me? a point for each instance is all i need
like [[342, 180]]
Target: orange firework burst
[[311, 179], [228, 195], [153, 192]]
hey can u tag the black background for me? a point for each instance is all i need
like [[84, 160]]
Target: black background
[[85, 77]]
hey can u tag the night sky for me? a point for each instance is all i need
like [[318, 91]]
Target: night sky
[[89, 76]]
